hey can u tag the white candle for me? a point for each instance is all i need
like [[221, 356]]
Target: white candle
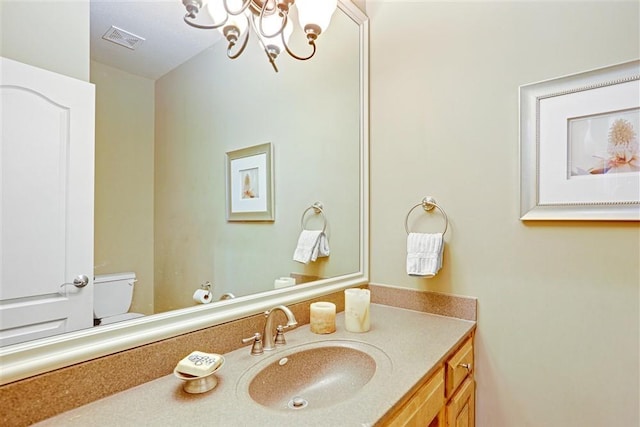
[[323, 317], [356, 309], [283, 282]]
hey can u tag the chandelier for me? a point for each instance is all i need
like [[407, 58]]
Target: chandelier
[[269, 20]]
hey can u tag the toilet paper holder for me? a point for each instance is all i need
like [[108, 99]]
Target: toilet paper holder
[[204, 295]]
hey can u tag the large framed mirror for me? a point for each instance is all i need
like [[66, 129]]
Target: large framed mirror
[[203, 109]]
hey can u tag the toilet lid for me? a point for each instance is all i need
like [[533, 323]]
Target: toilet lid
[[119, 318]]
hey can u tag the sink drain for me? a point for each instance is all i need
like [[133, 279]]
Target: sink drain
[[297, 403]]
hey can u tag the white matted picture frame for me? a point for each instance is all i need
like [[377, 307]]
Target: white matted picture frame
[[250, 187], [579, 146]]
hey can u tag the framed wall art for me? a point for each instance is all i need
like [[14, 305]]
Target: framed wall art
[[579, 146], [250, 184]]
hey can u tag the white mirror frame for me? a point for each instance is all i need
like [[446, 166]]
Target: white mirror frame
[[39, 356]]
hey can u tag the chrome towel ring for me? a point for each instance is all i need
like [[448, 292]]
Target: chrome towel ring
[[318, 208], [428, 203]]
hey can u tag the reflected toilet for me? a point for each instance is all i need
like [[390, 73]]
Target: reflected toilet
[[112, 295]]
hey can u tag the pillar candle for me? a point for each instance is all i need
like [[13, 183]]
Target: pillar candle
[[283, 282], [323, 317], [356, 309]]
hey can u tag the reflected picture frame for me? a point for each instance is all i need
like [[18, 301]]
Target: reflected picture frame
[[579, 139], [249, 184]]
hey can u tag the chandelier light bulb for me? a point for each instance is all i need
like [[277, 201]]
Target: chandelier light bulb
[[315, 14]]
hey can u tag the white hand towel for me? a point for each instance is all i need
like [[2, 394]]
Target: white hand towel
[[424, 254], [312, 244]]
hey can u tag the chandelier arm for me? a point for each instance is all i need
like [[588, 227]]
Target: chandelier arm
[[201, 26], [300, 58], [244, 7], [285, 19], [239, 52], [271, 58]]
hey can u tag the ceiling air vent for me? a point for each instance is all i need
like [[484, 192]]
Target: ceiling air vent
[[123, 38]]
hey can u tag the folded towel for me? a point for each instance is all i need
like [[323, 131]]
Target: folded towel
[[424, 254], [311, 246]]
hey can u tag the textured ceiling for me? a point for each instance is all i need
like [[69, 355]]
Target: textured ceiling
[[168, 40]]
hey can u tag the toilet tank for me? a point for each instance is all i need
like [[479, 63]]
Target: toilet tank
[[112, 294]]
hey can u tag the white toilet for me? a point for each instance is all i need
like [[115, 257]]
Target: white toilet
[[112, 295]]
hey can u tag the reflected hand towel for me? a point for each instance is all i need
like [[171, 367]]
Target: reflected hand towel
[[424, 254], [312, 244]]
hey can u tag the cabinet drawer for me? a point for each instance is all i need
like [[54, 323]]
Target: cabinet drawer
[[424, 405], [459, 366]]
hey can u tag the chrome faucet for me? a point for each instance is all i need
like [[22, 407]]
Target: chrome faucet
[[268, 336]]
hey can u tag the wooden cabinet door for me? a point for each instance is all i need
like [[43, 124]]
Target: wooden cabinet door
[[423, 408], [461, 408]]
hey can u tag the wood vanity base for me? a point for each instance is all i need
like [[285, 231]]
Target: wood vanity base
[[446, 398]]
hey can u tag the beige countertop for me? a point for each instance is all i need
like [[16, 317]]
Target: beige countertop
[[413, 343]]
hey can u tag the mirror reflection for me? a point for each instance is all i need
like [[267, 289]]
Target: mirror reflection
[[160, 162], [304, 112], [170, 108]]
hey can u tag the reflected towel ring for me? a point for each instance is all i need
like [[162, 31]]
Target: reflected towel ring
[[318, 209], [428, 203]]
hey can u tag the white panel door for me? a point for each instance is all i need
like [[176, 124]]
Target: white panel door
[[46, 202]]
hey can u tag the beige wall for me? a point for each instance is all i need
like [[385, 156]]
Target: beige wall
[[558, 329], [211, 105], [53, 35], [124, 178], [558, 336]]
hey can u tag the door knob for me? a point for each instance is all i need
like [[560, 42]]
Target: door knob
[[79, 282]]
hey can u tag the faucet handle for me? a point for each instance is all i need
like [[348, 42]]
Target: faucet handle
[[280, 340], [256, 348]]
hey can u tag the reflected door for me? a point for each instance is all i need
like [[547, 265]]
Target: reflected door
[[46, 203]]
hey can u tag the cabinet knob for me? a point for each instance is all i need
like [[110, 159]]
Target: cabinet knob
[[466, 366]]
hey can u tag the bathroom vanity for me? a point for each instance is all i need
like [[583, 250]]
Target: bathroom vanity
[[445, 398], [422, 375]]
